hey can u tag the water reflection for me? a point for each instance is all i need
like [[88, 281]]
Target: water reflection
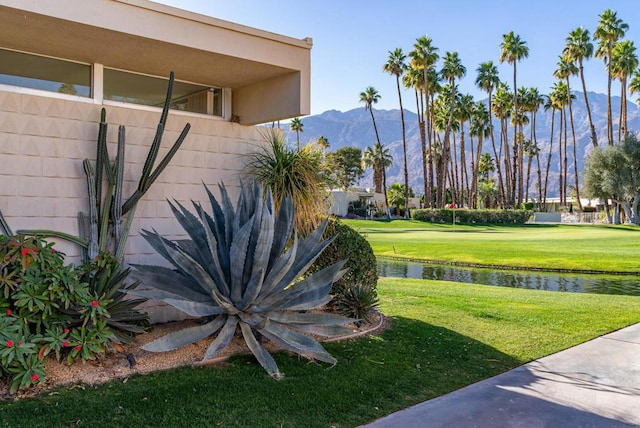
[[574, 283]]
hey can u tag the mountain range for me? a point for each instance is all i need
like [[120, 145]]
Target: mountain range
[[354, 128]]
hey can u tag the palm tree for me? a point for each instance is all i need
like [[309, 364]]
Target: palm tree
[[480, 127], [423, 57], [396, 66], [535, 100], [610, 30], [577, 49], [634, 84], [566, 69], [323, 142], [560, 98], [513, 49], [464, 110], [369, 97], [487, 80], [452, 69], [296, 125], [519, 147], [502, 103], [378, 158], [623, 62], [549, 105]]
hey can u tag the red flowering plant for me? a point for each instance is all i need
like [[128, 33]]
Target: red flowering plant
[[87, 343], [56, 339], [19, 354]]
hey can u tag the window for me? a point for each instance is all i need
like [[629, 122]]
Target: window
[[47, 74], [147, 90]]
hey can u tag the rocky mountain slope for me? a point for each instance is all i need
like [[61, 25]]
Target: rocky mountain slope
[[354, 128]]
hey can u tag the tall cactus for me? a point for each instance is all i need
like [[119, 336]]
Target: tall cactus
[[103, 230]]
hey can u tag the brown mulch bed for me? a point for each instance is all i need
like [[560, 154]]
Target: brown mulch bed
[[118, 365]]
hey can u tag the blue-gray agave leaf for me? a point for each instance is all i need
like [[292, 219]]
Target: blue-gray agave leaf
[[245, 266]]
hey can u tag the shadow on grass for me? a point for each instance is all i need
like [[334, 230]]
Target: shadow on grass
[[411, 362]]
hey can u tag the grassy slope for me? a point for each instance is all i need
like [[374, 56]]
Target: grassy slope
[[601, 248], [444, 336]]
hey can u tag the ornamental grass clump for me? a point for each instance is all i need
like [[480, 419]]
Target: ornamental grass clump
[[244, 267]]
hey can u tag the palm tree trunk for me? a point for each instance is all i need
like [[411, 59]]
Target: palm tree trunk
[[546, 176], [575, 151], [507, 162], [594, 137], [515, 134], [566, 156], [471, 190], [495, 154], [404, 150], [454, 168], [423, 145], [444, 160], [430, 157], [620, 113], [609, 118], [384, 170], [464, 175]]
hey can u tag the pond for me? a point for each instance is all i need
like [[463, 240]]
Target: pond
[[551, 281]]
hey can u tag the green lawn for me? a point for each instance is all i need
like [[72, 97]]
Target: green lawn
[[571, 247], [444, 336]]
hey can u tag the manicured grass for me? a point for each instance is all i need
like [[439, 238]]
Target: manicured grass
[[444, 336], [563, 247]]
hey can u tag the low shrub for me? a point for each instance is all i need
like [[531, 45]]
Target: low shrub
[[464, 216], [47, 307], [356, 301], [355, 294], [351, 246]]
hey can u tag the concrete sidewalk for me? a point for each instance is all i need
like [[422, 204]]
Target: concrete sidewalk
[[595, 384]]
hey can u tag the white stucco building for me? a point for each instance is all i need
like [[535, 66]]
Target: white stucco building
[[62, 61]]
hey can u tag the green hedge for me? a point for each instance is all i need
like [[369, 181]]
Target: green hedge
[[464, 216], [353, 247]]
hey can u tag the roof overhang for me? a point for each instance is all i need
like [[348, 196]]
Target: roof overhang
[[142, 36]]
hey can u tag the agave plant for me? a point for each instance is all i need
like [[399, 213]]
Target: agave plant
[[245, 267]]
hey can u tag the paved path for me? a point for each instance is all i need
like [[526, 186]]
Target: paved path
[[595, 384]]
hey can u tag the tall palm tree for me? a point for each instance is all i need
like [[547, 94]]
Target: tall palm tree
[[610, 30], [433, 144], [423, 58], [502, 107], [550, 104], [452, 69], [396, 66], [464, 110], [487, 80], [513, 49], [623, 62], [519, 121], [560, 98], [479, 127], [565, 69], [378, 158], [369, 97], [535, 101], [577, 49], [296, 125]]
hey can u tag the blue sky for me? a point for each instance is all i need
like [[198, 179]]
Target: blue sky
[[352, 38]]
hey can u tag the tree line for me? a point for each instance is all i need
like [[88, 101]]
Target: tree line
[[454, 127]]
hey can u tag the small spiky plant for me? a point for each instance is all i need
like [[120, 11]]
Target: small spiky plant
[[245, 267]]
